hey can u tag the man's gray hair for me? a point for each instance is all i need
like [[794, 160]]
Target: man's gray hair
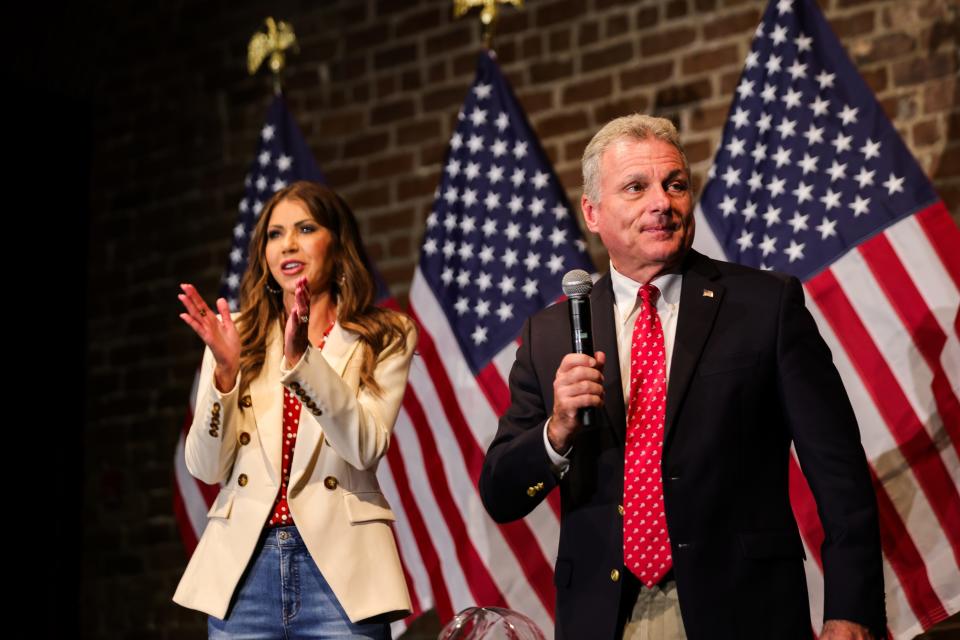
[[636, 127]]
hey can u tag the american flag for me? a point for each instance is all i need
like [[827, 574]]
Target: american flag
[[498, 240], [812, 179], [282, 157]]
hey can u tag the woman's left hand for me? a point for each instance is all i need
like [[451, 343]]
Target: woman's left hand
[[295, 338]]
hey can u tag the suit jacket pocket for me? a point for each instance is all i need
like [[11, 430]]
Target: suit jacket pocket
[[364, 506], [772, 544], [721, 363], [223, 504]]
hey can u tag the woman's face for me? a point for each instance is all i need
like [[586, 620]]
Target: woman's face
[[298, 246]]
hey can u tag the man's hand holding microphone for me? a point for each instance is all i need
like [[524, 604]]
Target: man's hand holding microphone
[[578, 385]]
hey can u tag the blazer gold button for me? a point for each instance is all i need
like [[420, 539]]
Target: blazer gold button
[[244, 438], [246, 401], [615, 575], [620, 509], [531, 491], [242, 480], [330, 483]]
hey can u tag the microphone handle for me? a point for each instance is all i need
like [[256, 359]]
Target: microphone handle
[[582, 335]]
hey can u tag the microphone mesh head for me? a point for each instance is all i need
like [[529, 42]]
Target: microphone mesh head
[[577, 283]]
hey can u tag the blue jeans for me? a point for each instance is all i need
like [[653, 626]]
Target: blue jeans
[[283, 596]]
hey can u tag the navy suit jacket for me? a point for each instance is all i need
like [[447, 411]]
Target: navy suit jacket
[[750, 374]]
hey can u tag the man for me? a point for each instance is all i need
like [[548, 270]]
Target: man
[[676, 520]]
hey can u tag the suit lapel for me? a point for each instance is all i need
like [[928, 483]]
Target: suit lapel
[[337, 351], [267, 396], [700, 299], [340, 345], [605, 333]]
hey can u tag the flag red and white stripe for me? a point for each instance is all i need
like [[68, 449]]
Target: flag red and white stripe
[[879, 258], [499, 238], [889, 311], [449, 418]]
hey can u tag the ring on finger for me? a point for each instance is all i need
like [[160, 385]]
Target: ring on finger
[[203, 313], [304, 319]]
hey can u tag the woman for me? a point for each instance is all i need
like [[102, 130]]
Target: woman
[[295, 407]]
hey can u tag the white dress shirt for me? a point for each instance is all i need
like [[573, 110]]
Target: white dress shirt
[[626, 306]]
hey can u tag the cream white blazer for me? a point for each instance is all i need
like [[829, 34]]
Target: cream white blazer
[[333, 493]]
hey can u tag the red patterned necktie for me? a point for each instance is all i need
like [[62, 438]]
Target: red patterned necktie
[[646, 543]]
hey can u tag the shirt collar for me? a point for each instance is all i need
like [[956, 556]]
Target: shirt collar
[[625, 289]]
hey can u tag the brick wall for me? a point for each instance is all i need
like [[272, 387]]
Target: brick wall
[[375, 88]]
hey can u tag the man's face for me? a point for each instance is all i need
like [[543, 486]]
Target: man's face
[[645, 213]]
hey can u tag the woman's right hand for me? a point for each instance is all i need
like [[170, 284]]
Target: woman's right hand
[[219, 334]]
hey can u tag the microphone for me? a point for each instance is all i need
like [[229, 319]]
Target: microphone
[[577, 286]]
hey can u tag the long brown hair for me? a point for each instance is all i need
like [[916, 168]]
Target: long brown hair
[[381, 330]]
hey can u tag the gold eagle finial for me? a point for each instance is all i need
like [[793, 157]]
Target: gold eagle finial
[[273, 44], [488, 14]]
